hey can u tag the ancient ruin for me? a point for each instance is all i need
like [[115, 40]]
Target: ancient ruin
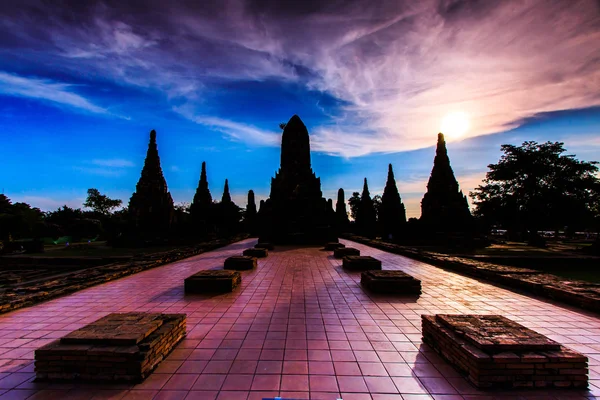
[[493, 352], [259, 252], [390, 282], [392, 213], [296, 212], [240, 263], [341, 213], [151, 206], [218, 281], [360, 263], [444, 207], [342, 252], [366, 217], [251, 214], [200, 209], [118, 347]]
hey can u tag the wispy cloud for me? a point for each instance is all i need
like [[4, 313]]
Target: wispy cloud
[[113, 162], [100, 171], [112, 167], [234, 130], [46, 90]]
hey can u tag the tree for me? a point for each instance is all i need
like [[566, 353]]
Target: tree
[[377, 202], [282, 125], [19, 220], [354, 202], [100, 203], [535, 186]]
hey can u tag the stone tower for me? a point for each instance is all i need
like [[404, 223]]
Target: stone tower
[[226, 198], [200, 209], [366, 217], [341, 213], [392, 213], [444, 207], [250, 215], [151, 206], [295, 211]]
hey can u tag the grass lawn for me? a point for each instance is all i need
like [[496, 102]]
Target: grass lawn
[[98, 249]]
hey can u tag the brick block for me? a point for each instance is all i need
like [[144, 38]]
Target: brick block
[[334, 245], [240, 263], [140, 342], [392, 282], [361, 263], [345, 251], [212, 281], [494, 352], [264, 245], [255, 252]]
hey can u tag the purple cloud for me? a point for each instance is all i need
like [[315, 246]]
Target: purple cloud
[[398, 66]]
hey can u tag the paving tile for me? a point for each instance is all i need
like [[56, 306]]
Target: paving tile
[[295, 383], [266, 382], [323, 383]]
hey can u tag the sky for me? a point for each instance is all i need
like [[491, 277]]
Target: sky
[[82, 83]]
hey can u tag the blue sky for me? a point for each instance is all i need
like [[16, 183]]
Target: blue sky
[[81, 87]]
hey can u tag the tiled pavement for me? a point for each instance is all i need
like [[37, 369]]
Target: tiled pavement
[[299, 327]]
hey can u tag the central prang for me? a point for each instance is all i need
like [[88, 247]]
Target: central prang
[[296, 212]]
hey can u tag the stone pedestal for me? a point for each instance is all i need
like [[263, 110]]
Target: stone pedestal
[[345, 251], [255, 252], [264, 245], [118, 347], [240, 263], [390, 282], [361, 263], [334, 245], [212, 281], [494, 352]]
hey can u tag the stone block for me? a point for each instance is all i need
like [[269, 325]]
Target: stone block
[[264, 245], [345, 251], [117, 347], [255, 252], [212, 281], [361, 263], [493, 352], [334, 245], [240, 263], [392, 282]]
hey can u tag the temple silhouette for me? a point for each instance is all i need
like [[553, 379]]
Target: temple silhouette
[[296, 212], [151, 205], [444, 206]]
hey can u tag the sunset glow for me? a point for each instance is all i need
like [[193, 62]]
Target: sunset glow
[[455, 125]]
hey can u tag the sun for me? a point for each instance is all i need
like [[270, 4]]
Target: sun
[[455, 124]]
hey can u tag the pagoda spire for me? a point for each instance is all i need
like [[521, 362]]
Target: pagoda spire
[[393, 212], [250, 215], [296, 211], [151, 205], [366, 218], [295, 147], [202, 202], [226, 198], [340, 210], [444, 205]]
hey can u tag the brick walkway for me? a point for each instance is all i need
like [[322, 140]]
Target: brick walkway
[[299, 327]]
